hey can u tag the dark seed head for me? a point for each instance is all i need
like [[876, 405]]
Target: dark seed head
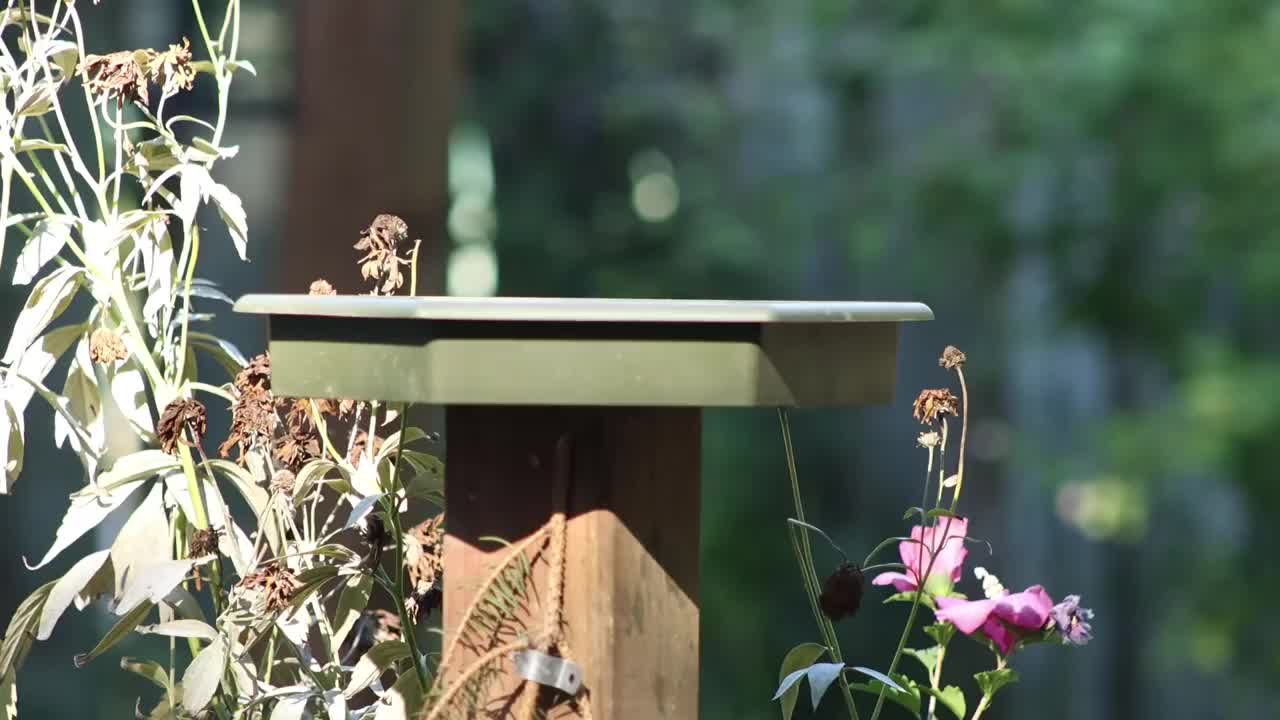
[[842, 593]]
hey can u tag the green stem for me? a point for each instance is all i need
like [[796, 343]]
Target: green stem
[[804, 557], [181, 358], [393, 512], [935, 680]]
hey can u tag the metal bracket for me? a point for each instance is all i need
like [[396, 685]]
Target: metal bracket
[[549, 670]]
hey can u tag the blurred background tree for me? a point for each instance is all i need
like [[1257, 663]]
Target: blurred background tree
[[1081, 192]]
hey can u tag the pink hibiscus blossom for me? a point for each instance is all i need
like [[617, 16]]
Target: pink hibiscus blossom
[[1001, 618], [937, 552]]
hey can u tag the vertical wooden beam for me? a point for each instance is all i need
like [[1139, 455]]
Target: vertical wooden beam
[[631, 569], [376, 88]]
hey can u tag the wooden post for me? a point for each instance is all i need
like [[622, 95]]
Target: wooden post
[[631, 569]]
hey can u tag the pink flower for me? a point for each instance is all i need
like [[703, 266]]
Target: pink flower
[[936, 551], [1002, 618]]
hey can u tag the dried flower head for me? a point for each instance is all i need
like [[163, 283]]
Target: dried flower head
[[321, 287], [121, 75], [203, 543], [379, 242], [181, 414], [277, 583], [424, 554], [929, 439], [951, 358], [358, 447], [172, 68], [933, 404], [296, 446], [253, 419], [283, 482], [842, 593], [337, 407], [384, 625], [257, 373], [106, 347]]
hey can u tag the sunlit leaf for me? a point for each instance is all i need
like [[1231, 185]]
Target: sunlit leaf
[[372, 664], [47, 240], [123, 627], [950, 697], [402, 700], [202, 676], [821, 675], [182, 629], [795, 661], [22, 630], [150, 583], [66, 589], [148, 669], [88, 508], [50, 296], [351, 603], [991, 681]]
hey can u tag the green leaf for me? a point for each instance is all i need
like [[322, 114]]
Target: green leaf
[[951, 698], [351, 603], [48, 299], [821, 675], [881, 677], [12, 445], [814, 528], [22, 630], [928, 657], [186, 628], [149, 584], [913, 511], [991, 681], [796, 660], [377, 660], [941, 632], [137, 466], [403, 700], [33, 144], [940, 512], [117, 632], [910, 597], [203, 676], [148, 669], [224, 352], [908, 699], [47, 240], [66, 589], [88, 508]]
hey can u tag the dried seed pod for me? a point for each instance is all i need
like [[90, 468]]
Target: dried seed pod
[[842, 593]]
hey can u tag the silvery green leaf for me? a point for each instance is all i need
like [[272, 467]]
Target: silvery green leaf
[[123, 627], [402, 701], [309, 475], [821, 675], [232, 212], [193, 188], [212, 151], [35, 364], [253, 494], [21, 630], [88, 508], [34, 144], [361, 509], [293, 707], [377, 660], [203, 676], [66, 589], [137, 466], [135, 545], [12, 445], [151, 582], [181, 629], [148, 669], [35, 100], [335, 704], [153, 156], [351, 604], [200, 287], [47, 239], [80, 419], [129, 393], [223, 351], [61, 53], [411, 434], [9, 696], [48, 299], [156, 248], [878, 676]]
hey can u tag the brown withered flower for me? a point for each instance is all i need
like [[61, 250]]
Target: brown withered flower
[[283, 482], [424, 559], [171, 69], [277, 583], [952, 357], [337, 407], [296, 446], [121, 75], [257, 373], [321, 287], [179, 415], [358, 447], [842, 593], [933, 404], [106, 347], [253, 420], [203, 543], [379, 242]]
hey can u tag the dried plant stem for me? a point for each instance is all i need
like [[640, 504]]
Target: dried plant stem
[[413, 268], [804, 558]]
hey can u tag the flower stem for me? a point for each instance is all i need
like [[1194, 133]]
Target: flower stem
[[804, 558], [964, 431]]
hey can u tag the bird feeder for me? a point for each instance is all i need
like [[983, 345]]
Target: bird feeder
[[608, 395]]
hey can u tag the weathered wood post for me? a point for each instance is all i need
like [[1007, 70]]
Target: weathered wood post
[[604, 395]]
